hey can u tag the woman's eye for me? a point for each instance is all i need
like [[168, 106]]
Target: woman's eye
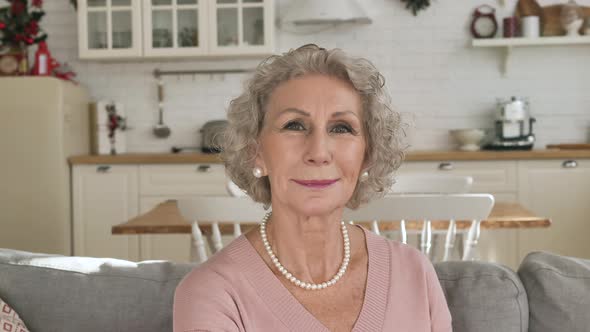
[[341, 129], [294, 125]]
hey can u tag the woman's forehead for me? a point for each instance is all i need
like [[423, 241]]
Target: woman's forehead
[[310, 93]]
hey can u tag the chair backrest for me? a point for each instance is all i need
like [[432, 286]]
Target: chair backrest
[[418, 183], [233, 189], [218, 210], [428, 207]]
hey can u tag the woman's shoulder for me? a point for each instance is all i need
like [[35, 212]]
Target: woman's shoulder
[[217, 272]]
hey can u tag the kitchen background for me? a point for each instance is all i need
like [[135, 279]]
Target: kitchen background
[[437, 80]]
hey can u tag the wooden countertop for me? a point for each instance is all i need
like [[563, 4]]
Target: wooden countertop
[[165, 219], [190, 158]]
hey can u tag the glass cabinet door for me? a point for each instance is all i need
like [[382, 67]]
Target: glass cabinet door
[[241, 26], [109, 28], [175, 27]]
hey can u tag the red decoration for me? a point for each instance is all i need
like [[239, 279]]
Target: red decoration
[[20, 23]]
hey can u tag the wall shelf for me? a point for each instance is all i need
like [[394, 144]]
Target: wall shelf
[[509, 43]]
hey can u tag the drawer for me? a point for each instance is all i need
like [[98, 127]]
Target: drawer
[[194, 179], [488, 176]]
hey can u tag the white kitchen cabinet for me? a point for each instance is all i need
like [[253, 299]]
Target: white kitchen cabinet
[[109, 29], [173, 247], [175, 28], [158, 183], [104, 196], [241, 27], [560, 190], [189, 179]]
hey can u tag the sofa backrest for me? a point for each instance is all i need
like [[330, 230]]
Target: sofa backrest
[[484, 297], [57, 293]]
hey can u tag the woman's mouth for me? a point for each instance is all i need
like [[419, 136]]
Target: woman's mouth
[[316, 184]]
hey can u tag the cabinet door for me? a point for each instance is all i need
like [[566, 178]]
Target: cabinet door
[[488, 176], [104, 196], [175, 27], [241, 27], [560, 190], [109, 29], [172, 247]]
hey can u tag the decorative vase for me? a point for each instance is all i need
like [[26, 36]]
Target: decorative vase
[[570, 18]]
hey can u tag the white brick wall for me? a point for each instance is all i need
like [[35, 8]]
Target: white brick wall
[[437, 80]]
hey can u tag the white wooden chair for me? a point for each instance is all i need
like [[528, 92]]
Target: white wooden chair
[[428, 183], [418, 183], [428, 207], [219, 210]]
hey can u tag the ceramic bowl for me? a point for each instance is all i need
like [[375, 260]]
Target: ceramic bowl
[[468, 139]]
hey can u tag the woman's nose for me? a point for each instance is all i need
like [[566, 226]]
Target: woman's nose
[[318, 149]]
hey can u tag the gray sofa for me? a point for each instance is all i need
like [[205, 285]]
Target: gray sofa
[[58, 293]]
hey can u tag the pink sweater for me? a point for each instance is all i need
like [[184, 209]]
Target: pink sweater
[[236, 291]]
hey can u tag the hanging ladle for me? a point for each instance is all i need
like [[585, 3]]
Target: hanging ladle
[[161, 130]]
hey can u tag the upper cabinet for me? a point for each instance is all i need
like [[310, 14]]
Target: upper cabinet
[[109, 29], [241, 26], [174, 28]]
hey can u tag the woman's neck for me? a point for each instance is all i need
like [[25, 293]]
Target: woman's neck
[[311, 248]]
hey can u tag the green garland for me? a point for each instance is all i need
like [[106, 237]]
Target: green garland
[[416, 5]]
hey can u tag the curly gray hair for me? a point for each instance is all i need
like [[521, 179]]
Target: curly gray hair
[[382, 125]]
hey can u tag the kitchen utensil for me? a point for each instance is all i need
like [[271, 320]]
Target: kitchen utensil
[[513, 126], [177, 149], [468, 139], [161, 130], [212, 136]]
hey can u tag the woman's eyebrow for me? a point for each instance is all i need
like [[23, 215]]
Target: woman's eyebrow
[[293, 110], [341, 113]]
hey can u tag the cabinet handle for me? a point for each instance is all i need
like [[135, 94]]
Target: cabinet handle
[[204, 168], [445, 166], [103, 169], [569, 164]]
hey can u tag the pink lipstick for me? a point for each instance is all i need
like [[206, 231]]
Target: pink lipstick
[[319, 184]]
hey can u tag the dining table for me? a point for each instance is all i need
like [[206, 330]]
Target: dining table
[[165, 218]]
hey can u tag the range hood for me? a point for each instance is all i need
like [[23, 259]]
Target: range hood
[[321, 12]]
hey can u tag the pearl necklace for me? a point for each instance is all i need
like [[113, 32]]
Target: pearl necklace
[[291, 277]]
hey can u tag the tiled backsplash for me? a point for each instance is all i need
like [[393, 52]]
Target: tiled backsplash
[[436, 79]]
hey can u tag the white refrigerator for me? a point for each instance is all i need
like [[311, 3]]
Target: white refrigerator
[[43, 121]]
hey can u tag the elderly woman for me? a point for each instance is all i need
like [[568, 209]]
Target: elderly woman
[[312, 133]]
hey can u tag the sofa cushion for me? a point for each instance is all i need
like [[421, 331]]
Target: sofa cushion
[[483, 297], [61, 293], [558, 289]]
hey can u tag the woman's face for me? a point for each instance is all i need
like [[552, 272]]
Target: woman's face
[[312, 144]]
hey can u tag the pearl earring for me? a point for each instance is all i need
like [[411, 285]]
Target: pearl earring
[[257, 171], [364, 176]]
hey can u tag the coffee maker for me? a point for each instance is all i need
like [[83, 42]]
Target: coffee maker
[[513, 126]]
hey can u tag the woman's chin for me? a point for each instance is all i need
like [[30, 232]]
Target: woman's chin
[[318, 207]]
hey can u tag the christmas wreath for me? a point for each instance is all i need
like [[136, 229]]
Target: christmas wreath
[[19, 23]]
